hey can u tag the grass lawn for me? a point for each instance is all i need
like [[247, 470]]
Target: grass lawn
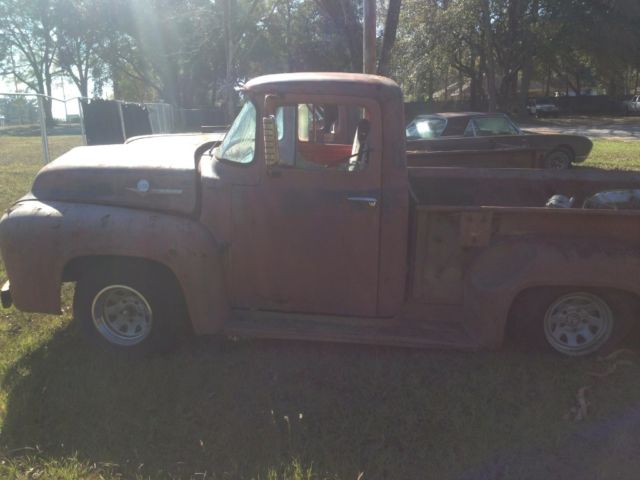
[[246, 409], [612, 154]]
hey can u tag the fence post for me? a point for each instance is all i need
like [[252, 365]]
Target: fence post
[[81, 115], [124, 132], [43, 129]]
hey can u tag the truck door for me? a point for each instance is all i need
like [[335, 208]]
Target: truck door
[[306, 238]]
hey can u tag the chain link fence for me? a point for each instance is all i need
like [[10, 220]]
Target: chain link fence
[[43, 128]]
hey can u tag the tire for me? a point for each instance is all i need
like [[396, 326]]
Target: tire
[[558, 159], [572, 322], [134, 311]]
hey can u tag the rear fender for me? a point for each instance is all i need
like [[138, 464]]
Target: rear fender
[[499, 274], [38, 240]]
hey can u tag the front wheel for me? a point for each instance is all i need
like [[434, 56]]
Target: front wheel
[[128, 310]]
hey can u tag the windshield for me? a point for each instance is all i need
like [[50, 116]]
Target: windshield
[[239, 144]]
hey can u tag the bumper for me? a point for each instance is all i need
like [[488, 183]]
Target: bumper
[[5, 295]]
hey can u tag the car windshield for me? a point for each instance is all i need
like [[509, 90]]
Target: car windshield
[[239, 144], [426, 127]]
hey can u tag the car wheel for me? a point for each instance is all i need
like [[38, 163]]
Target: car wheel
[[573, 322], [558, 159], [126, 310]]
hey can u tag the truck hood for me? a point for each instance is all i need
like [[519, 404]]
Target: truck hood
[[157, 173]]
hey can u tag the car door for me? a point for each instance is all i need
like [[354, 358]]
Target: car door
[[507, 146], [306, 238]]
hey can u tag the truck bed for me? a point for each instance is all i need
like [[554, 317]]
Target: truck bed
[[478, 237]]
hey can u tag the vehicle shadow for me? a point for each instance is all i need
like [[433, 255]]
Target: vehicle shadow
[[238, 408]]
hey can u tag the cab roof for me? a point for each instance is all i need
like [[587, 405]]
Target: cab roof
[[326, 83]]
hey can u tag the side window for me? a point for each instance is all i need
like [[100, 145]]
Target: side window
[[487, 126], [323, 136]]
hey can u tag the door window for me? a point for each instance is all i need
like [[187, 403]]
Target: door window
[[498, 125], [323, 136]]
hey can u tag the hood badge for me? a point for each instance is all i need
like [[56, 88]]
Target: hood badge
[[143, 187]]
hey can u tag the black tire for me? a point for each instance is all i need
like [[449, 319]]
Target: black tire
[[528, 323], [147, 294], [558, 159]]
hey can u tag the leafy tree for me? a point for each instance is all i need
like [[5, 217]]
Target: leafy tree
[[28, 34], [81, 35]]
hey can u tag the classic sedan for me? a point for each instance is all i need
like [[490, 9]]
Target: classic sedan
[[488, 140]]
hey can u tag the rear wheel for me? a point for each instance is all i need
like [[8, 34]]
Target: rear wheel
[[134, 311], [573, 322]]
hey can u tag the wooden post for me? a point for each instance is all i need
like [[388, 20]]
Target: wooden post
[[369, 37]]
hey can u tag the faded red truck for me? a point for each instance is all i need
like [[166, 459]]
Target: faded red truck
[[306, 223]]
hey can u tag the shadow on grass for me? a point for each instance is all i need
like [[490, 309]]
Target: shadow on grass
[[236, 409]]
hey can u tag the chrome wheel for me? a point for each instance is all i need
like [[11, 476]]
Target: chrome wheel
[[578, 323], [121, 315], [558, 160]]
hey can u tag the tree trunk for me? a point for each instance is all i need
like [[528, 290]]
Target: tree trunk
[[389, 36], [430, 86], [473, 93], [228, 46], [488, 51], [547, 87], [525, 82], [446, 84], [369, 37]]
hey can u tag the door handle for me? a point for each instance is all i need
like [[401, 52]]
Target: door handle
[[371, 201]]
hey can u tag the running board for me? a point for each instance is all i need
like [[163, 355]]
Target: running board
[[374, 331]]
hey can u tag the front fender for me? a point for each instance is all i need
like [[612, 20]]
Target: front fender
[[38, 239], [499, 274]]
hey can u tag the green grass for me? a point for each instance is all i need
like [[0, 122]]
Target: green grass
[[243, 409], [614, 154]]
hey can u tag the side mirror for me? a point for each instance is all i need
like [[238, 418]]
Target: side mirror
[[270, 133]]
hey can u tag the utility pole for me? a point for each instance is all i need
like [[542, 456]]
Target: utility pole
[[369, 37]]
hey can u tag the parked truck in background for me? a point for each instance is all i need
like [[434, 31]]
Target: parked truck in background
[[306, 223]]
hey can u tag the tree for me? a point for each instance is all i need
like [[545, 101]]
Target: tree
[[389, 36], [81, 35], [29, 36]]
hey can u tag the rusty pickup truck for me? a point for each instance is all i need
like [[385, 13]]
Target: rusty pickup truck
[[305, 222]]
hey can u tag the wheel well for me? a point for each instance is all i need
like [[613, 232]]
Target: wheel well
[[76, 267], [565, 148], [522, 299]]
